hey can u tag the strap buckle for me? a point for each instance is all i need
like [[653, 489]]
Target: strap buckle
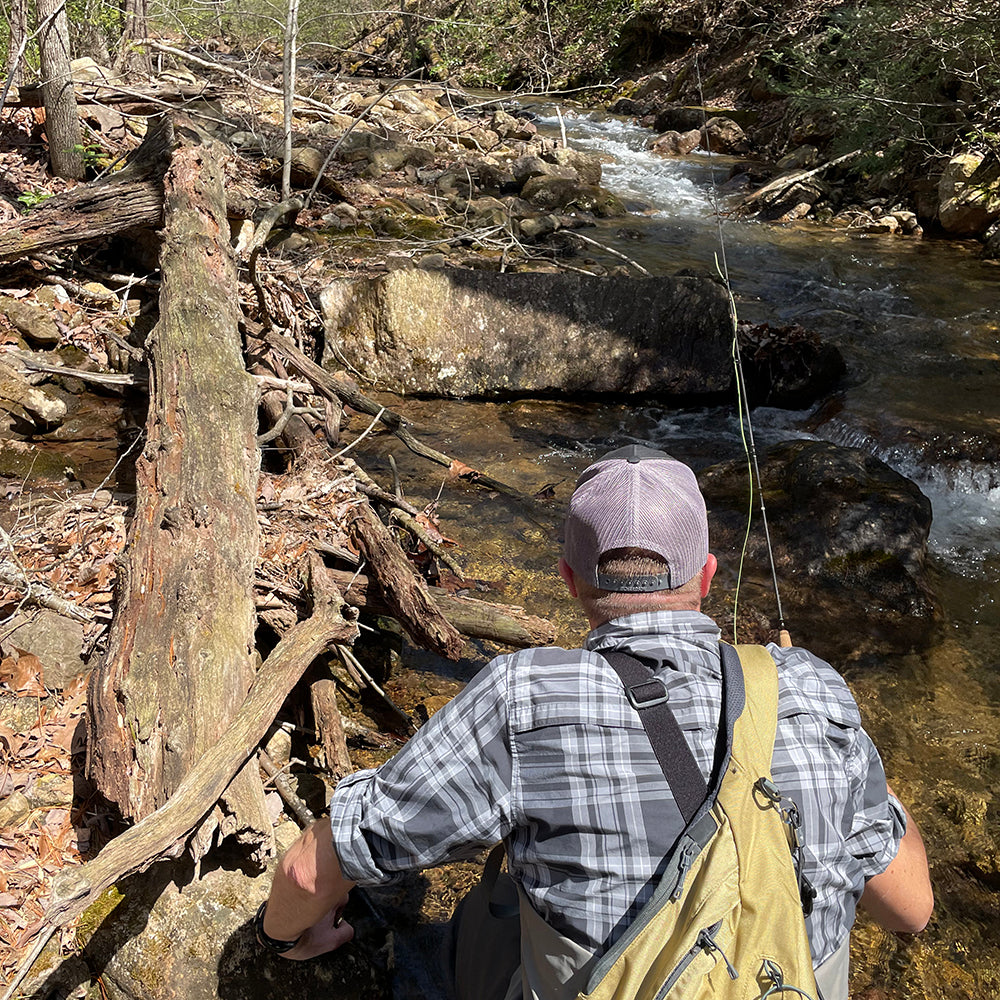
[[656, 694]]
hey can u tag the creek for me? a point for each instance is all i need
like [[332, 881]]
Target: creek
[[918, 322]]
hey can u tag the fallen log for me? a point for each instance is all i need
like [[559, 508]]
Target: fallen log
[[330, 728], [179, 660], [500, 623], [334, 386], [405, 593], [131, 197], [162, 834], [775, 189]]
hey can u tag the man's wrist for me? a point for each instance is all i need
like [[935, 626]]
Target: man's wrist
[[265, 940]]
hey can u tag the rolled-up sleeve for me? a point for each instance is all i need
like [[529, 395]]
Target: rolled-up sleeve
[[879, 821], [442, 797]]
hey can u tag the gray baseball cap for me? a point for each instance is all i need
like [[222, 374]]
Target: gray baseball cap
[[637, 497]]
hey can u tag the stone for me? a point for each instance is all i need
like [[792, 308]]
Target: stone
[[723, 135], [550, 192], [526, 167], [652, 85], [678, 118], [676, 143], [479, 333], [969, 193], [33, 321], [487, 212], [163, 936], [87, 70], [38, 404], [849, 537], [585, 165], [991, 242], [496, 177], [15, 810], [56, 640], [800, 158]]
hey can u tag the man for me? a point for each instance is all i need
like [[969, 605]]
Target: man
[[543, 750]]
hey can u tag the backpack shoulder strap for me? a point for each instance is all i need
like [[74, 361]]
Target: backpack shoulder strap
[[753, 739], [648, 697]]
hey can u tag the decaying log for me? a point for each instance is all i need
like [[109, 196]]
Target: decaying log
[[131, 197], [162, 834], [500, 623], [405, 593], [774, 190], [180, 650], [330, 728]]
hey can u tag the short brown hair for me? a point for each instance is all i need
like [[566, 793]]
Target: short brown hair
[[626, 563]]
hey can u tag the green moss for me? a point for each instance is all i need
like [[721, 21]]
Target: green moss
[[96, 913]]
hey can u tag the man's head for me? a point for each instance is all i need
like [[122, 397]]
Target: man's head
[[636, 534]]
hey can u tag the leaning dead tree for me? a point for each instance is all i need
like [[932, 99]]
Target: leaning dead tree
[[180, 658]]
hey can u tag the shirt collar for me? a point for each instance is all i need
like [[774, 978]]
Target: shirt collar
[[679, 626]]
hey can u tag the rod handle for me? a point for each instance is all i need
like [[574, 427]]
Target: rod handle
[[784, 639]]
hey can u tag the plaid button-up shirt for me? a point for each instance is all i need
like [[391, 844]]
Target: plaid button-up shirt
[[543, 750]]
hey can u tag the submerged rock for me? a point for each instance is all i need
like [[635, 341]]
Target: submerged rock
[[849, 537]]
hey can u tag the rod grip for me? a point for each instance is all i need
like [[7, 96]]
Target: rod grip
[[784, 639]]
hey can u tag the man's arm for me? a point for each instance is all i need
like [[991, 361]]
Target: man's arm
[[308, 894], [901, 898]]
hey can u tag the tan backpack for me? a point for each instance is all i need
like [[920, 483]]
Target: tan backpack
[[726, 921], [735, 929]]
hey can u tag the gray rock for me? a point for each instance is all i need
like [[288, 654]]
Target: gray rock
[[54, 639], [484, 334], [33, 321], [162, 936], [585, 165]]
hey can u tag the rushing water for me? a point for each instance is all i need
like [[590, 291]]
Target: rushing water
[[918, 322]]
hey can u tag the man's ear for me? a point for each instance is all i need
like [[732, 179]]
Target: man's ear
[[567, 574], [711, 565]]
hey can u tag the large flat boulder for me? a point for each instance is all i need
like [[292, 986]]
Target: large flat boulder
[[476, 333]]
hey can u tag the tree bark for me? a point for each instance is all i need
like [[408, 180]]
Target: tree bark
[[330, 728], [134, 59], [62, 122], [405, 593], [16, 41], [501, 623], [132, 197], [161, 835], [181, 645]]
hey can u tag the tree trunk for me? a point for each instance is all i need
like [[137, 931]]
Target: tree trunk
[[133, 59], [17, 41], [180, 657], [62, 123]]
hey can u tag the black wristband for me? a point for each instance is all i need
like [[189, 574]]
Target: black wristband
[[265, 940]]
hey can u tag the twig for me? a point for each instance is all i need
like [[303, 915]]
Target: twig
[[362, 435], [35, 593], [302, 812], [606, 249], [416, 529]]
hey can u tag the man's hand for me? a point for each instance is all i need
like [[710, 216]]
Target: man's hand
[[326, 935], [308, 896]]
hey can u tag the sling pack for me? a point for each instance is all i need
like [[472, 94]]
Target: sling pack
[[726, 920]]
